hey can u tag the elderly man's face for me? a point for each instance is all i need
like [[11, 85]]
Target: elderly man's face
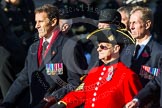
[[137, 25], [105, 50]]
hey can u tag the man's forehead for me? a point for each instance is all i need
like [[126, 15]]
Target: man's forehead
[[41, 16]]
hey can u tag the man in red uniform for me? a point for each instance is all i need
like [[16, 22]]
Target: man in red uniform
[[111, 84]]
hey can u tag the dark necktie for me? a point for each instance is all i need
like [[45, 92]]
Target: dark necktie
[[136, 51], [45, 44]]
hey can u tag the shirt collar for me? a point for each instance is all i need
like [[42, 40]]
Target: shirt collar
[[144, 42], [112, 62], [48, 40]]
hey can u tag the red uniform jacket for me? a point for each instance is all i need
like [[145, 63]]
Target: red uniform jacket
[[105, 87]]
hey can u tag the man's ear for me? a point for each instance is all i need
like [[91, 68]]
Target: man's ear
[[65, 27], [54, 22], [116, 48], [148, 24]]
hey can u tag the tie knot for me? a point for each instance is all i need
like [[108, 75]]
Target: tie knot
[[136, 51], [137, 47], [45, 44]]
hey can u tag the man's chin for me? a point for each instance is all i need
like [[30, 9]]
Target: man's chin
[[41, 36]]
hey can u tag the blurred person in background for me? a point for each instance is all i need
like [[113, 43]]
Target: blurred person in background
[[65, 24], [20, 14], [125, 14], [12, 54]]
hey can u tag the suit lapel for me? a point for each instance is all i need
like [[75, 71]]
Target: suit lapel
[[145, 54], [52, 52]]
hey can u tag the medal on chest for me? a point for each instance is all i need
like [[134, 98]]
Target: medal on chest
[[110, 73]]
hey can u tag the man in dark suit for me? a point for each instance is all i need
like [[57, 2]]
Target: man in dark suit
[[145, 95], [146, 60], [53, 66]]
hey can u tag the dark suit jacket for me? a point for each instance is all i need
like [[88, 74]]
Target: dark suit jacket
[[63, 51], [150, 56], [149, 59], [152, 88]]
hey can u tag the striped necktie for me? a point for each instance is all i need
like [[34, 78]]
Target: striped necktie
[[45, 44]]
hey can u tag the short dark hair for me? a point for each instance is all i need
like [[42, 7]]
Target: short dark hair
[[52, 11]]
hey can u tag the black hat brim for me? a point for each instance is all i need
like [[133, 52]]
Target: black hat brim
[[110, 35]]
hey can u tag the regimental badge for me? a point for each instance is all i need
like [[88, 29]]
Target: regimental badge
[[149, 72], [56, 68], [111, 38], [110, 73]]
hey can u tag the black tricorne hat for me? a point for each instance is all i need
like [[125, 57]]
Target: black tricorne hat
[[111, 35]]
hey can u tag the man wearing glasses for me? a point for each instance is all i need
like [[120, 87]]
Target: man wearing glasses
[[110, 81]]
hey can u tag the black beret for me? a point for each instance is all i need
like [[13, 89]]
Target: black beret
[[111, 35]]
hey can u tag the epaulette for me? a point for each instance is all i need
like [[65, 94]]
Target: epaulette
[[80, 87], [83, 77]]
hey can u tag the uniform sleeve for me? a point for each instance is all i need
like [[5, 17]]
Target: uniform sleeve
[[74, 98], [132, 86], [152, 88]]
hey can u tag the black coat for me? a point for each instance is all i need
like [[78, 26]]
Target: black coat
[[63, 51], [149, 60], [150, 56]]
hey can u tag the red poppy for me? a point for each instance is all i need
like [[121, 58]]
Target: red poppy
[[145, 54]]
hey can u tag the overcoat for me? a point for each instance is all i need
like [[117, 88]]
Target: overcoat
[[65, 53]]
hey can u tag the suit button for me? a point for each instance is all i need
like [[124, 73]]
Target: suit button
[[93, 99], [93, 104], [98, 83], [96, 88], [102, 73], [104, 68], [100, 78], [94, 94]]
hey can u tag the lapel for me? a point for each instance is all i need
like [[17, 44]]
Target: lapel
[[52, 52], [33, 51], [145, 54], [126, 55]]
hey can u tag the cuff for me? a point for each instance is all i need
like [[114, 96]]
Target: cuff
[[137, 101], [62, 102]]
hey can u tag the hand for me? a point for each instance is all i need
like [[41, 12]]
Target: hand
[[58, 105], [132, 104], [50, 101]]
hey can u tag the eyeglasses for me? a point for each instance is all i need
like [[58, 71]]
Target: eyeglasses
[[103, 47]]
